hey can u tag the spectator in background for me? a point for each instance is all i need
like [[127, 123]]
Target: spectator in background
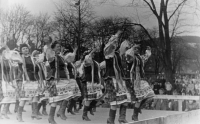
[[160, 104], [196, 87], [156, 88], [183, 90], [179, 87], [168, 86], [190, 88], [163, 81], [173, 104], [191, 105]]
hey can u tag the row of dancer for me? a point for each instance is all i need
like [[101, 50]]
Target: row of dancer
[[61, 80], [50, 76]]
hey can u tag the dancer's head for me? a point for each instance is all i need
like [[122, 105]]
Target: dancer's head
[[56, 47], [24, 49]]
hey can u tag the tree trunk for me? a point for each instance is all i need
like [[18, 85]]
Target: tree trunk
[[169, 76]]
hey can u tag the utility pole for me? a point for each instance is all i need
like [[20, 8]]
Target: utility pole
[[79, 29]]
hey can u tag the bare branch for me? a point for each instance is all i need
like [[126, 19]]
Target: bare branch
[[179, 5]]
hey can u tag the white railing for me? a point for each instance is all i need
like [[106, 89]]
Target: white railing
[[180, 99]]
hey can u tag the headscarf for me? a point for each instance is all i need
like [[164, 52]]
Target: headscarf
[[123, 47], [111, 46], [88, 58], [130, 52], [70, 57]]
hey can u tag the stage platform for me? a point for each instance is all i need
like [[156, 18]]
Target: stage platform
[[100, 117]]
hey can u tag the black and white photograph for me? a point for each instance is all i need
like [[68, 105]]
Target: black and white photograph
[[99, 61]]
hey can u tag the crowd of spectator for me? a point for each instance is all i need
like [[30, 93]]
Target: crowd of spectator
[[183, 85]]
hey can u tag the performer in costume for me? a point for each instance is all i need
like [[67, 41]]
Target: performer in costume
[[69, 58], [1, 92], [61, 87], [91, 82], [39, 59], [115, 85], [47, 71], [140, 89], [9, 68], [31, 83]]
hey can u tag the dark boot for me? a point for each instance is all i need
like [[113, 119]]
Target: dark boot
[[122, 114], [38, 109], [5, 110], [8, 109], [35, 111], [51, 115], [60, 104], [135, 114], [80, 104], [70, 106], [19, 114], [92, 105], [62, 110], [44, 110], [75, 107], [0, 113], [16, 106], [85, 110], [111, 119], [90, 109], [94, 109]]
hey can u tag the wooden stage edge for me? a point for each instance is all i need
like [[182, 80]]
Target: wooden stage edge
[[191, 117]]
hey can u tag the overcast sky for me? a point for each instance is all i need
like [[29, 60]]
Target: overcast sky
[[140, 15]]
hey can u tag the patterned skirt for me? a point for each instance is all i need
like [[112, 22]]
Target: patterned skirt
[[141, 91], [8, 92], [116, 96], [1, 91], [30, 89], [92, 91], [63, 90]]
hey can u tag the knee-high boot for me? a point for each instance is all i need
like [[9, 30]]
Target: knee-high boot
[[60, 104], [44, 110], [70, 106], [80, 103], [16, 106], [85, 116], [5, 110], [63, 107], [38, 109], [135, 113], [35, 111], [111, 119], [91, 106], [51, 115], [19, 114], [75, 107], [8, 110], [0, 113], [122, 114]]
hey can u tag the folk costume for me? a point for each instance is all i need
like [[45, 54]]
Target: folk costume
[[61, 87], [40, 60], [139, 89], [10, 84], [115, 85], [31, 87], [91, 82]]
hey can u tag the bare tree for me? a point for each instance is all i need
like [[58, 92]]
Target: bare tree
[[14, 24], [42, 27], [165, 11], [74, 19]]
